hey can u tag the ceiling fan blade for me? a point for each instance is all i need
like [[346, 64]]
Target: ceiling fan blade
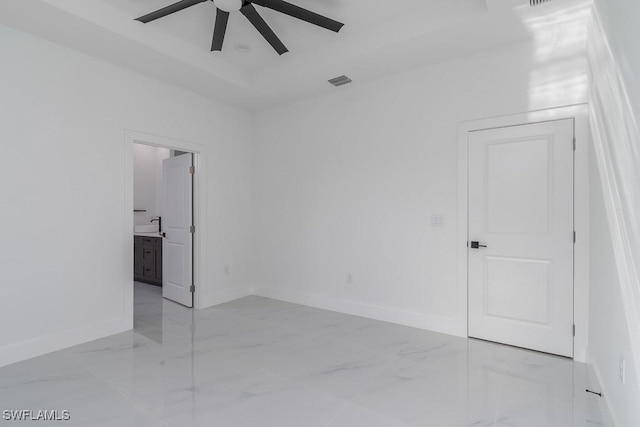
[[254, 17], [301, 13], [222, 18], [176, 7]]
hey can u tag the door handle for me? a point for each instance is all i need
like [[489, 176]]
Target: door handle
[[477, 245]]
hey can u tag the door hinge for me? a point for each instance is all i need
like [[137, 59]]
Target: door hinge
[[574, 237], [192, 288], [192, 229], [192, 169], [574, 143], [574, 330]]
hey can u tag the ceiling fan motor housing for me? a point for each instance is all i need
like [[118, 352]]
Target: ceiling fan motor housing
[[229, 5]]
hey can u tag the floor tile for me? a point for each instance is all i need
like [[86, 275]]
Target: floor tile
[[261, 362]]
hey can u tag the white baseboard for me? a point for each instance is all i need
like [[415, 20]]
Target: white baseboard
[[387, 314], [595, 380], [58, 341], [226, 296]]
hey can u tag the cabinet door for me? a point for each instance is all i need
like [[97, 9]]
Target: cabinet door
[[148, 272], [147, 262], [158, 263], [137, 261]]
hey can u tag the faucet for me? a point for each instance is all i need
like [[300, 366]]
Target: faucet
[[159, 219]]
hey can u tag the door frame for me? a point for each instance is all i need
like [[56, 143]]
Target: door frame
[[580, 114], [199, 209]]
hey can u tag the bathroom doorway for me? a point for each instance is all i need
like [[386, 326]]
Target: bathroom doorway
[[164, 224], [164, 220]]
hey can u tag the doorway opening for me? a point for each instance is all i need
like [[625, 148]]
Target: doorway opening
[[164, 221]]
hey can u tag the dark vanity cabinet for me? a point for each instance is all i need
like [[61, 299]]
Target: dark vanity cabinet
[[147, 259]]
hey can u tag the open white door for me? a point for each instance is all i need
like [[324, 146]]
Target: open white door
[[521, 236], [177, 220]]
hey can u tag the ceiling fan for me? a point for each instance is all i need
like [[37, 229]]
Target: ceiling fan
[[224, 7]]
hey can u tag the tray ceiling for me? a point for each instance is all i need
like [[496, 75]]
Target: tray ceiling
[[380, 37]]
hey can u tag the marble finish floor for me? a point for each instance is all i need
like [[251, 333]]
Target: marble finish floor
[[261, 362]]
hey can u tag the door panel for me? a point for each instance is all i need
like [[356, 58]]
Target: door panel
[[177, 218], [521, 208], [517, 289], [518, 197]]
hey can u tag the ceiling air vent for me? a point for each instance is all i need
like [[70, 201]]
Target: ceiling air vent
[[537, 2], [343, 80]]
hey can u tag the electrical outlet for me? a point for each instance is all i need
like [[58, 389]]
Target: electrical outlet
[[226, 269], [349, 279], [623, 371], [437, 221]]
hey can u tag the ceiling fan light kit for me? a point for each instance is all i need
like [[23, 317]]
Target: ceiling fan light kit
[[225, 7]]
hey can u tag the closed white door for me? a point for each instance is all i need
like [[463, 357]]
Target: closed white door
[[521, 236], [177, 219]]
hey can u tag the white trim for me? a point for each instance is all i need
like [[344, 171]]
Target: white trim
[[199, 207], [218, 298], [581, 211], [615, 134], [594, 380], [443, 325], [60, 340]]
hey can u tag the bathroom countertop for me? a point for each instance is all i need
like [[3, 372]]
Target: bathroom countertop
[[155, 234]]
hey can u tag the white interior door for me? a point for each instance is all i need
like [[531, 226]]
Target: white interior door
[[177, 219], [521, 209]]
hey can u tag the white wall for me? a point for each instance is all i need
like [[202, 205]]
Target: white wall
[[620, 21], [63, 118], [147, 181], [347, 183], [614, 63], [610, 339]]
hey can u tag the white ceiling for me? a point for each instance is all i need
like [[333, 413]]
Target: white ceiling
[[380, 37], [194, 26]]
